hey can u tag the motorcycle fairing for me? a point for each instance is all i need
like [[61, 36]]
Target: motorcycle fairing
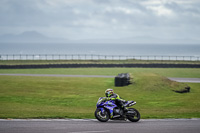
[[110, 105]]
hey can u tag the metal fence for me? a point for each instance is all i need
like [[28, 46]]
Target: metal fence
[[95, 57]]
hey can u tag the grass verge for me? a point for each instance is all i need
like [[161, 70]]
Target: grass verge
[[64, 97], [167, 72]]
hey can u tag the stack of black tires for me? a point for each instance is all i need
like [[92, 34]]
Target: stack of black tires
[[122, 79]]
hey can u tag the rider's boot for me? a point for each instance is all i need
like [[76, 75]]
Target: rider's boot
[[124, 109]]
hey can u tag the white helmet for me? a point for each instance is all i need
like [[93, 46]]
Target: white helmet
[[109, 92]]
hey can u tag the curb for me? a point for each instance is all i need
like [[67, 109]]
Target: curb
[[88, 120]]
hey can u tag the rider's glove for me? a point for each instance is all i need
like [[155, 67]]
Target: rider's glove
[[107, 99], [124, 101]]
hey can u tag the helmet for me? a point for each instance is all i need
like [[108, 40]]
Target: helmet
[[109, 92]]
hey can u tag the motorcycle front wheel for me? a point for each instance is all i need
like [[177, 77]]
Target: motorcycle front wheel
[[103, 117], [134, 116]]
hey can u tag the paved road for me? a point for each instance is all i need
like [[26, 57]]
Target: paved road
[[189, 80], [94, 126]]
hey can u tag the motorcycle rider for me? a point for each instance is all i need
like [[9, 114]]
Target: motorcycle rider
[[110, 95]]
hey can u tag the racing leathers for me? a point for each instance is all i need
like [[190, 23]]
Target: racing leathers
[[118, 100]]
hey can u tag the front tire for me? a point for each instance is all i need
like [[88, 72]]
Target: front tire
[[135, 117], [101, 117]]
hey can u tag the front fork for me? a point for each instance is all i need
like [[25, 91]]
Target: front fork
[[103, 112]]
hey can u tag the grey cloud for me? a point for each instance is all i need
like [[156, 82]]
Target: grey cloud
[[29, 13], [102, 1], [100, 18], [23, 13], [188, 15]]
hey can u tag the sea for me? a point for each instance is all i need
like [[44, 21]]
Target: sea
[[99, 49]]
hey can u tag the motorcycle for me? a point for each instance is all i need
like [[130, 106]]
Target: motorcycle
[[109, 110]]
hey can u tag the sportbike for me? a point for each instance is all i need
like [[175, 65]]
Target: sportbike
[[109, 110]]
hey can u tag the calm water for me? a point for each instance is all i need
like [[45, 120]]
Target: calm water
[[100, 49]]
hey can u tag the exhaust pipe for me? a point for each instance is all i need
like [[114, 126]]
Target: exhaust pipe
[[131, 104]]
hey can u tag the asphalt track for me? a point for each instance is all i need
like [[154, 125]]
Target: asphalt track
[[188, 80], [94, 126]]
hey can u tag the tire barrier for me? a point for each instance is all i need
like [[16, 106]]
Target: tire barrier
[[185, 90], [122, 79], [100, 65]]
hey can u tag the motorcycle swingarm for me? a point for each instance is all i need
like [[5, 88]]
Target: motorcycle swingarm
[[130, 112]]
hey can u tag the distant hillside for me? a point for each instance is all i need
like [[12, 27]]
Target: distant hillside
[[28, 36], [36, 37]]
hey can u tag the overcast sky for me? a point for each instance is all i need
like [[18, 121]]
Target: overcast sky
[[96, 19]]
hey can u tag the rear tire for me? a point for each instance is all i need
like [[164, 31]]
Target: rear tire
[[101, 117], [135, 117]]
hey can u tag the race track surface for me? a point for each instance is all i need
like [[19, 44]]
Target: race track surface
[[94, 126], [187, 80]]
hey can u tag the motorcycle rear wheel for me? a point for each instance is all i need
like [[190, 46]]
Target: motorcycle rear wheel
[[135, 117], [101, 117]]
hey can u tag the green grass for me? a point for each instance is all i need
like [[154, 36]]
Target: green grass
[[167, 72], [64, 97], [38, 97]]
